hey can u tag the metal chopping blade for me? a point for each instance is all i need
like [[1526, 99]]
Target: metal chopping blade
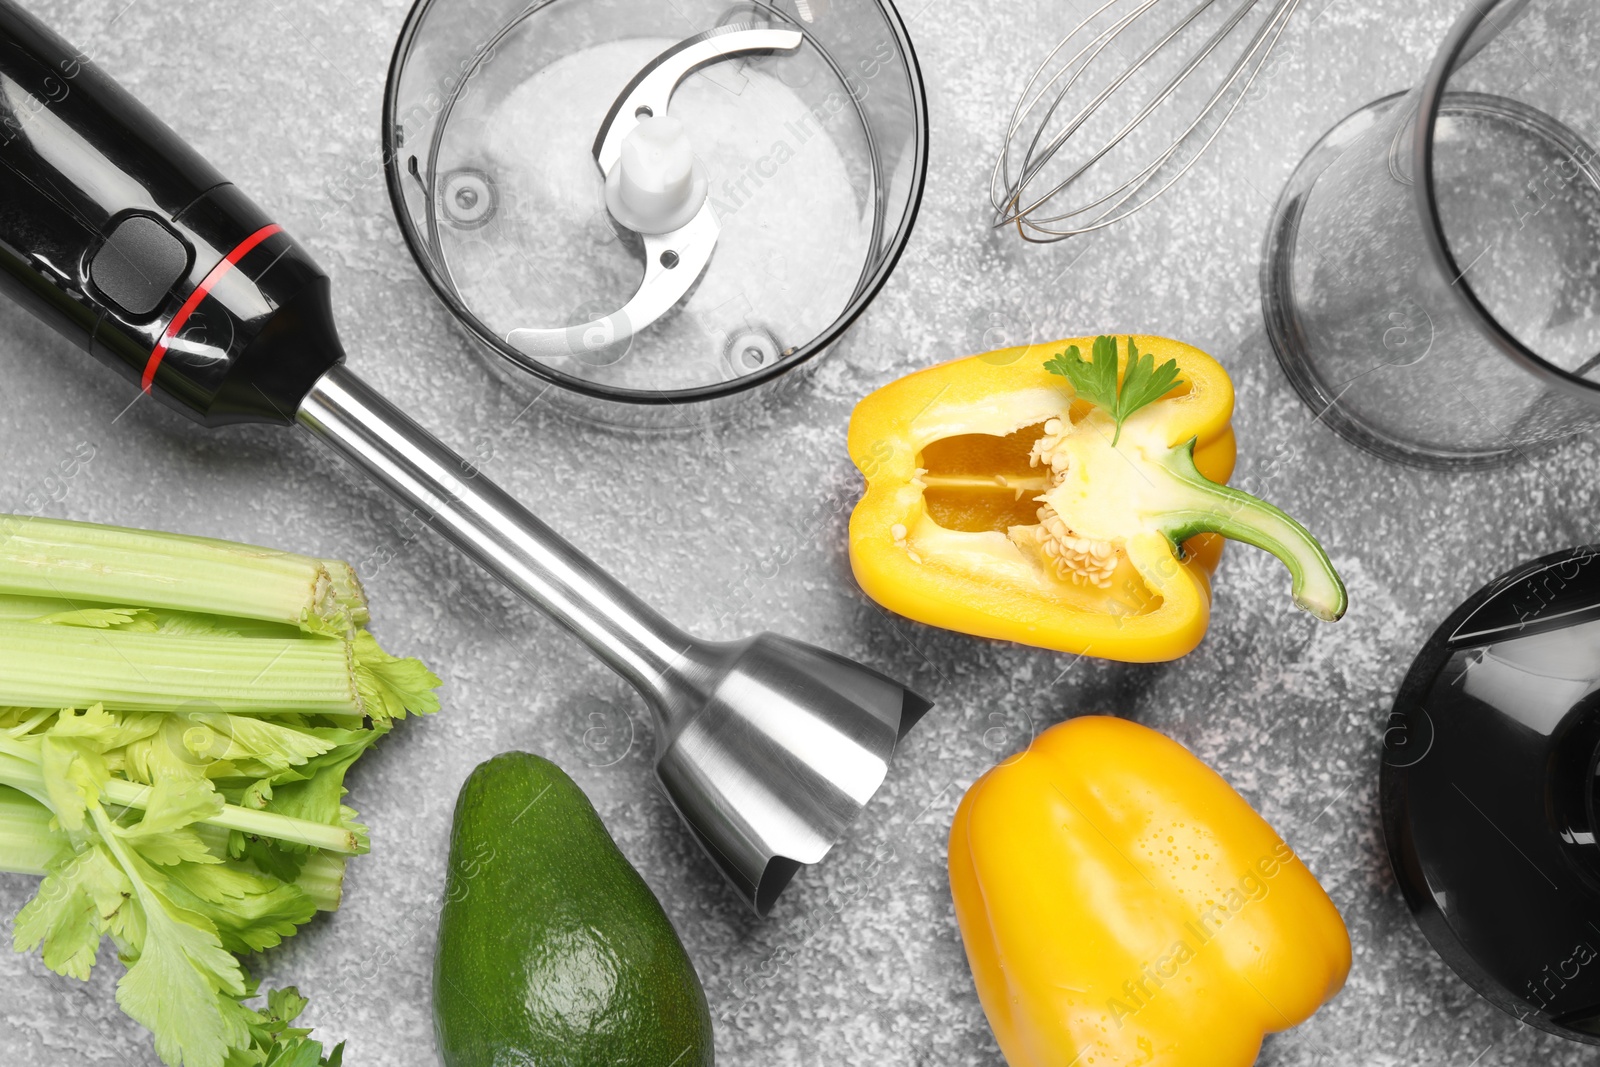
[[676, 258]]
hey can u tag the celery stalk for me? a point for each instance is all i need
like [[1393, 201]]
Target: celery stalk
[[45, 666], [109, 564], [23, 608], [20, 770], [322, 878], [348, 591], [27, 844], [17, 608], [249, 820]]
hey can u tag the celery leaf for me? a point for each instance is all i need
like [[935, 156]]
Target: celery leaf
[[391, 686], [164, 836], [181, 984], [273, 746], [317, 799], [251, 911], [68, 914], [275, 1043], [72, 757], [133, 620]]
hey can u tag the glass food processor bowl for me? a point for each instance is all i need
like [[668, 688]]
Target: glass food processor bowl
[[654, 203]]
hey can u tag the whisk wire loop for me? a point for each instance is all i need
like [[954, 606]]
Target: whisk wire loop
[[1050, 214]]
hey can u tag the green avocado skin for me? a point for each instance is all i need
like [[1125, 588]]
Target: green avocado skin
[[552, 951]]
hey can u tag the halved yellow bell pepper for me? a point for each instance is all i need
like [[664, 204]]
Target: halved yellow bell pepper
[[1122, 906], [1000, 503]]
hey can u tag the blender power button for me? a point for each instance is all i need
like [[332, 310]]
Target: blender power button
[[139, 263]]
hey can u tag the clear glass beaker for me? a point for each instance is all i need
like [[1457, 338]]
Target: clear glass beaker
[[1431, 278]]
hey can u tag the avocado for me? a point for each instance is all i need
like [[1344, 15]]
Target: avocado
[[552, 950]]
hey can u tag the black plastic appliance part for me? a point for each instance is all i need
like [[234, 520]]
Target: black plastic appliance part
[[121, 237], [1489, 795]]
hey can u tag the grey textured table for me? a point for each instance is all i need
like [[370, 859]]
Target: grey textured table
[[742, 527]]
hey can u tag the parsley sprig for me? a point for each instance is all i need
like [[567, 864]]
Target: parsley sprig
[[1096, 382]]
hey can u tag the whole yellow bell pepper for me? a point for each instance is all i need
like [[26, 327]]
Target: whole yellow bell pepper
[[1122, 906], [1003, 501]]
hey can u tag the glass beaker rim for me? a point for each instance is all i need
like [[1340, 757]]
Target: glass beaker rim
[[1453, 54]]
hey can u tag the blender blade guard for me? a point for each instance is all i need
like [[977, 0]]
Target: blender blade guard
[[784, 746]]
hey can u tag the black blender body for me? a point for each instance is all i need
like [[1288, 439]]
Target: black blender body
[[121, 237], [1488, 791]]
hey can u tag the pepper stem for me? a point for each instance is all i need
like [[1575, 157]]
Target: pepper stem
[[1203, 506]]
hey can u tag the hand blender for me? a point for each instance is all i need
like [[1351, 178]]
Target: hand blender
[[121, 237]]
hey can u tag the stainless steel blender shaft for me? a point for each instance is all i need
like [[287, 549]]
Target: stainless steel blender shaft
[[498, 533], [767, 747]]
